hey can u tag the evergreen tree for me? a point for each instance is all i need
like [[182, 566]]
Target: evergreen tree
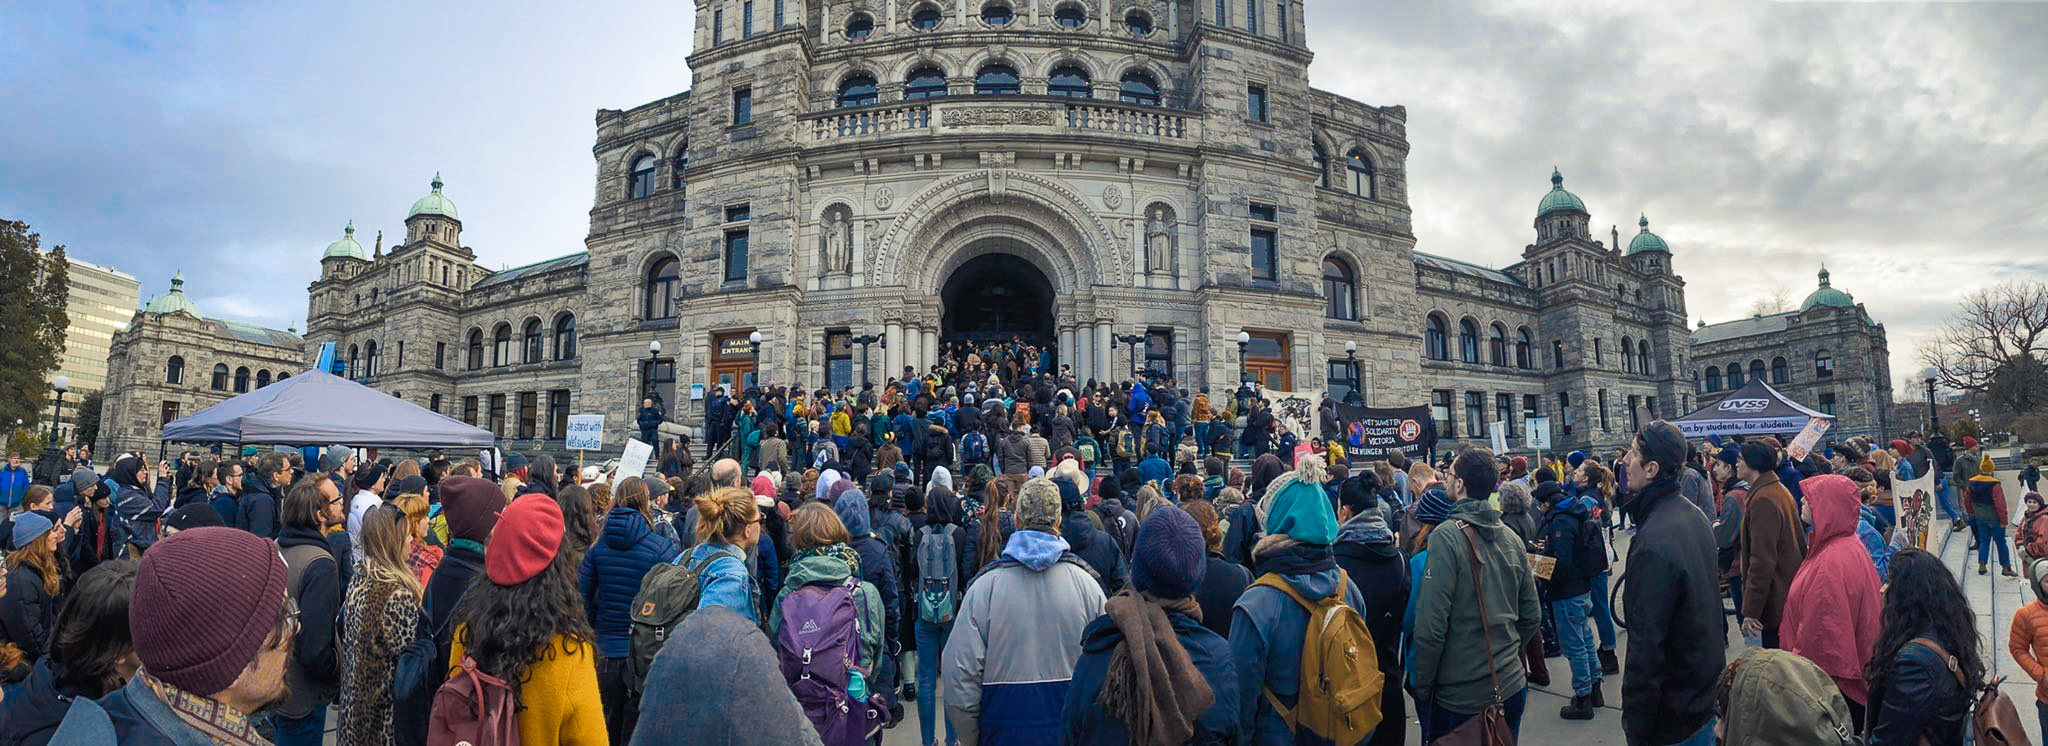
[[32, 322], [87, 428]]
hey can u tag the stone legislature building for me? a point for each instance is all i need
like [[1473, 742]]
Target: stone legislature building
[[1084, 175]]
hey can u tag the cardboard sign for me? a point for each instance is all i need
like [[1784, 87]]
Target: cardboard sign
[[586, 432], [1500, 437], [1537, 431], [1803, 444], [633, 462]]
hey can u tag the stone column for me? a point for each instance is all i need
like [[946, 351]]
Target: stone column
[[1066, 353], [1084, 354], [892, 358], [1105, 365], [913, 350], [931, 350]]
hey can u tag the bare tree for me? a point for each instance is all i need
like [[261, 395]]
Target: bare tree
[[1774, 299], [1994, 345]]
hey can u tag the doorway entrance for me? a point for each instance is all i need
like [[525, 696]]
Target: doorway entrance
[[996, 298]]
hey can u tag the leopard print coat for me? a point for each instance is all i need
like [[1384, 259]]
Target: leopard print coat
[[379, 623]]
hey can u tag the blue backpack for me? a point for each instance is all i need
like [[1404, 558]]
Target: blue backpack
[[974, 449], [938, 568]]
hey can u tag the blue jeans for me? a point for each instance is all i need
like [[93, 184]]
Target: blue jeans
[[1947, 498], [310, 730], [931, 645], [1576, 637], [2041, 711], [1703, 738], [1735, 590], [1202, 439], [1437, 721], [1988, 533], [1602, 615]]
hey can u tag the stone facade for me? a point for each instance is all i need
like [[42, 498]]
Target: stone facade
[[1157, 168], [171, 362], [1829, 355]]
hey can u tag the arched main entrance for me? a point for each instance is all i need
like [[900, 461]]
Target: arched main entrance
[[997, 296]]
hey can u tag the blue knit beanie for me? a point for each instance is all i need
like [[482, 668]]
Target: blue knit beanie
[[1434, 508], [29, 527], [1576, 458], [1302, 512], [1170, 558]]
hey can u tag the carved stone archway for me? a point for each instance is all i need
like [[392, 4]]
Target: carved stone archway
[[940, 228]]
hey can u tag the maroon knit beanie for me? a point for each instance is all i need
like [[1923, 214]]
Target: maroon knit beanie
[[205, 600], [527, 540], [471, 506]]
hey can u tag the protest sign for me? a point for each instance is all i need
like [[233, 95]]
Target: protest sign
[[1803, 444], [633, 462], [1373, 433], [586, 432], [1537, 431]]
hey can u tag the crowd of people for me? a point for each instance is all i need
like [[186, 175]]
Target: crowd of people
[[1033, 562]]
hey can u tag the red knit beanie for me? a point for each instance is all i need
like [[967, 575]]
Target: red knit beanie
[[205, 600], [529, 535]]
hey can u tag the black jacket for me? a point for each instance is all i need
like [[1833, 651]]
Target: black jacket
[[460, 567], [1921, 702], [1222, 585], [259, 509], [28, 614], [319, 597], [1671, 607], [1377, 567], [1101, 552], [1570, 536]]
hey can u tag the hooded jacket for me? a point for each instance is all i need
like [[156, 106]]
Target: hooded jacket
[[611, 576], [877, 564], [1007, 681], [1671, 606], [1084, 721], [1094, 546], [1367, 551], [1772, 548], [1983, 498], [832, 565], [695, 689], [1569, 536], [1781, 699], [1451, 654], [2028, 639], [1835, 612]]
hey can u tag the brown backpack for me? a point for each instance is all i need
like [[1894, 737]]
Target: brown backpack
[[1994, 721], [1341, 683]]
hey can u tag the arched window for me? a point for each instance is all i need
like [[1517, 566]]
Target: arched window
[[997, 80], [1643, 357], [926, 18], [174, 371], [1780, 371], [501, 345], [565, 337], [531, 337], [220, 377], [1497, 346], [643, 177], [1436, 339], [860, 26], [663, 283], [1823, 365], [1523, 355], [1070, 16], [355, 359], [677, 165], [1735, 376], [1628, 355], [370, 358], [1360, 169], [1468, 341], [262, 378], [1713, 379], [1139, 87], [242, 380], [997, 14], [1340, 290], [1069, 81], [281, 375], [857, 90], [1756, 370], [476, 349], [1138, 23], [1322, 161], [924, 83]]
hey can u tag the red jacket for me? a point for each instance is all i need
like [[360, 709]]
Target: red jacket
[[1834, 612]]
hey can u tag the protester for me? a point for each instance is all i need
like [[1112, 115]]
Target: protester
[[1670, 601], [380, 613], [938, 592], [369, 485], [100, 533], [227, 490], [2028, 637], [1832, 612], [1467, 659], [824, 560], [1223, 582], [730, 521], [471, 506], [1775, 698], [999, 678], [1984, 501], [1570, 535], [1926, 668], [420, 556], [610, 578], [1368, 552], [1772, 543], [525, 625], [1091, 544], [311, 507], [1149, 672], [91, 654], [35, 583], [698, 690], [1728, 519]]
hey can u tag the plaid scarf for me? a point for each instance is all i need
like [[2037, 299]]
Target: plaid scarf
[[217, 721]]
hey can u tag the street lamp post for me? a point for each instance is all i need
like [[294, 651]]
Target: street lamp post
[[1132, 341], [1244, 342], [864, 340], [1933, 411], [754, 345], [653, 364], [1352, 397], [52, 453]]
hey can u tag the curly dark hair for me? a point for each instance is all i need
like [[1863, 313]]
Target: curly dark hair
[[1924, 600], [507, 629]]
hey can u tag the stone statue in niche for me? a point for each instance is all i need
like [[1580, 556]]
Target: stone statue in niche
[[1159, 242], [837, 242]]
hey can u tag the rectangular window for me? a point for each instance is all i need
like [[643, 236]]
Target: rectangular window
[[440, 355], [1440, 410], [1265, 260], [1159, 353], [1475, 414], [1264, 212], [1557, 354], [1255, 102], [1269, 359], [747, 19], [658, 379], [779, 17], [170, 412], [1827, 403], [735, 255], [1603, 412], [529, 413], [558, 414], [401, 355], [1650, 406], [435, 403], [1634, 421], [742, 105], [497, 415], [1504, 412], [838, 359], [1344, 382], [717, 27], [1280, 18], [1222, 12], [469, 410], [1251, 16], [738, 213], [1564, 410], [1599, 357]]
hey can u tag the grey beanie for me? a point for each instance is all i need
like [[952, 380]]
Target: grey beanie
[[83, 478]]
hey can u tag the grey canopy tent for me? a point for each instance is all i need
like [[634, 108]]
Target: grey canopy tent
[[1754, 409], [317, 408]]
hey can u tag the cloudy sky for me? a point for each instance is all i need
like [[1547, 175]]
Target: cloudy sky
[[1904, 145]]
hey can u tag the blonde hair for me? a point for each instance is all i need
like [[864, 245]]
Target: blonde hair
[[723, 515], [416, 508], [383, 536], [813, 526]]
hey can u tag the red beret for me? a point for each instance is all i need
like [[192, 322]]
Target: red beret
[[529, 536]]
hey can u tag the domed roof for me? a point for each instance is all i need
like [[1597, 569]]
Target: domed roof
[[346, 248], [1827, 295], [1558, 200], [1645, 240], [433, 204], [174, 301]]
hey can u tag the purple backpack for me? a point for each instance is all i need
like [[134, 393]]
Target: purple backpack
[[819, 650]]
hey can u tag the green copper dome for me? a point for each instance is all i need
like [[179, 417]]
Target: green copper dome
[[1645, 240], [174, 301], [1558, 200], [433, 204], [1827, 295], [346, 248]]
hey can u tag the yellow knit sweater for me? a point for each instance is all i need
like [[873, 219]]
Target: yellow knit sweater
[[559, 698]]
